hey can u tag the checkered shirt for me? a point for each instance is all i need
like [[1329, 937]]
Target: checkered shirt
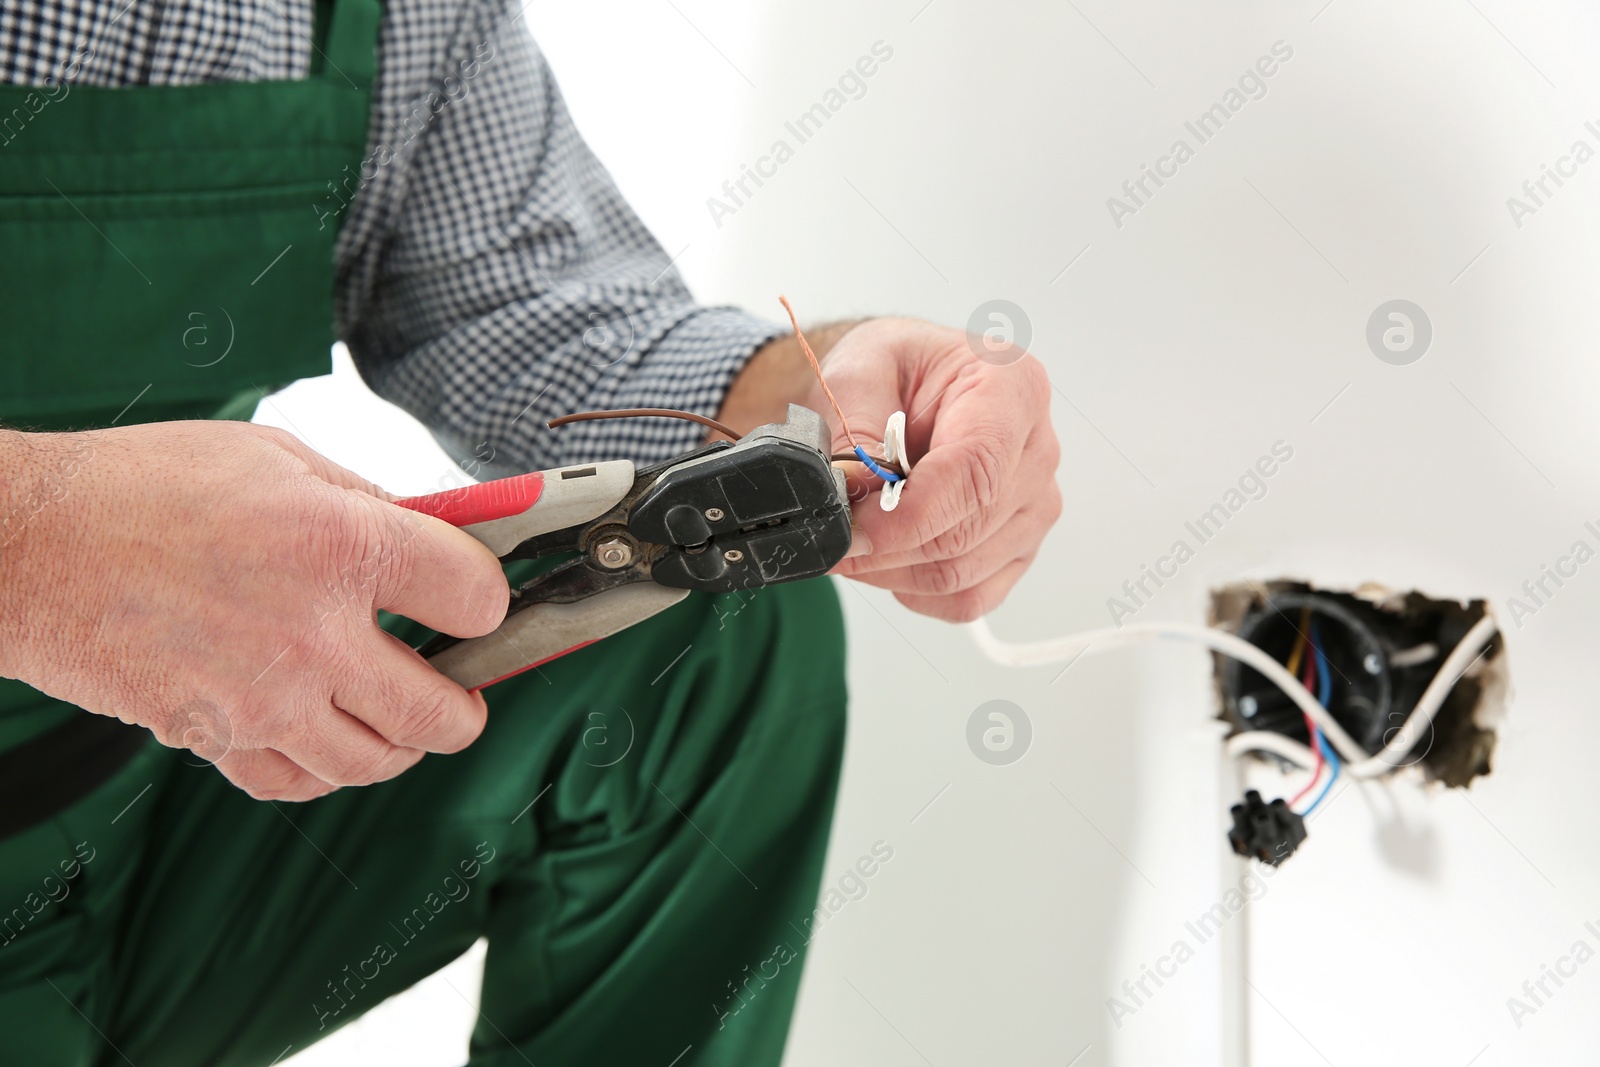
[[490, 275]]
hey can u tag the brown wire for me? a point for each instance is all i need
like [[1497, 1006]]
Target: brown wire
[[674, 413], [631, 413], [725, 430], [851, 457]]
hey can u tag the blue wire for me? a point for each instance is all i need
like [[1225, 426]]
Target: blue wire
[[1325, 677], [1325, 692], [1333, 761], [888, 476]]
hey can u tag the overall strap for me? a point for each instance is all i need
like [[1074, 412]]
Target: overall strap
[[347, 54]]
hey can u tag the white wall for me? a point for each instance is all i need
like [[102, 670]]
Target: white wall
[[1222, 317]]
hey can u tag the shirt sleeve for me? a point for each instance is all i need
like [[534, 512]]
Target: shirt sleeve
[[491, 277]]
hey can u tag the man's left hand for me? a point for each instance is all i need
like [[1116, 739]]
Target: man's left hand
[[982, 493]]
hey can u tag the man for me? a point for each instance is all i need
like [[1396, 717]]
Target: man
[[195, 197]]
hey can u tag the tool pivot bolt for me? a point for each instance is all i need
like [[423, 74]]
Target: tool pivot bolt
[[714, 514], [613, 552], [733, 555]]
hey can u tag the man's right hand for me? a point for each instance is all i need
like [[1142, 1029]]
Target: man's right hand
[[218, 583]]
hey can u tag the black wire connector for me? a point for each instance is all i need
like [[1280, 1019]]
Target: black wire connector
[[1269, 832]]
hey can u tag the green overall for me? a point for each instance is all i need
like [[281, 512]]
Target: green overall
[[638, 832]]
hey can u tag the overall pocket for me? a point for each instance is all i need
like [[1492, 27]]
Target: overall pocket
[[181, 300]]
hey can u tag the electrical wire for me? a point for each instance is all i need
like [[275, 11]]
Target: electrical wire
[[1324, 696], [1356, 762], [816, 368], [886, 475], [1319, 748], [1284, 747], [692, 416], [1068, 646], [852, 457], [881, 470], [1319, 754], [1333, 762], [1463, 656], [1308, 679], [1316, 775], [1293, 666], [1415, 656], [641, 413], [1472, 644]]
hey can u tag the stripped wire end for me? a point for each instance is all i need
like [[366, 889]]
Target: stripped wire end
[[881, 470]]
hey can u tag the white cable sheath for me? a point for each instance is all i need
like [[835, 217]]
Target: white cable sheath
[[1464, 655], [1358, 763], [1070, 646], [1266, 741], [1414, 657]]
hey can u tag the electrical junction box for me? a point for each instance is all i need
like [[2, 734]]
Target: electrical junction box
[[1381, 649]]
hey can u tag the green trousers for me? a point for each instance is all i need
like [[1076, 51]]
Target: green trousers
[[639, 829]]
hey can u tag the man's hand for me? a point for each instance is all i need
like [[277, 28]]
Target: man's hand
[[218, 583], [982, 492]]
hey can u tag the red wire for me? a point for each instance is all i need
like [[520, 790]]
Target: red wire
[[1308, 678]]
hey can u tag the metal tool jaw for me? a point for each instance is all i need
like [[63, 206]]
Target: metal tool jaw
[[766, 509]]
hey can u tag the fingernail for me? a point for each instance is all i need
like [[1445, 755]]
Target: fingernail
[[860, 543]]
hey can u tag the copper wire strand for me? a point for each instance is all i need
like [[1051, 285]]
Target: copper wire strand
[[817, 368]]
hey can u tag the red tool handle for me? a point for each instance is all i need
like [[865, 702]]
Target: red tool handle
[[479, 503], [506, 513]]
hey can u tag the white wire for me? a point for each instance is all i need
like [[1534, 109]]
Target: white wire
[[1070, 646], [1464, 655], [1286, 748], [1253, 741], [1414, 657], [1358, 764]]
